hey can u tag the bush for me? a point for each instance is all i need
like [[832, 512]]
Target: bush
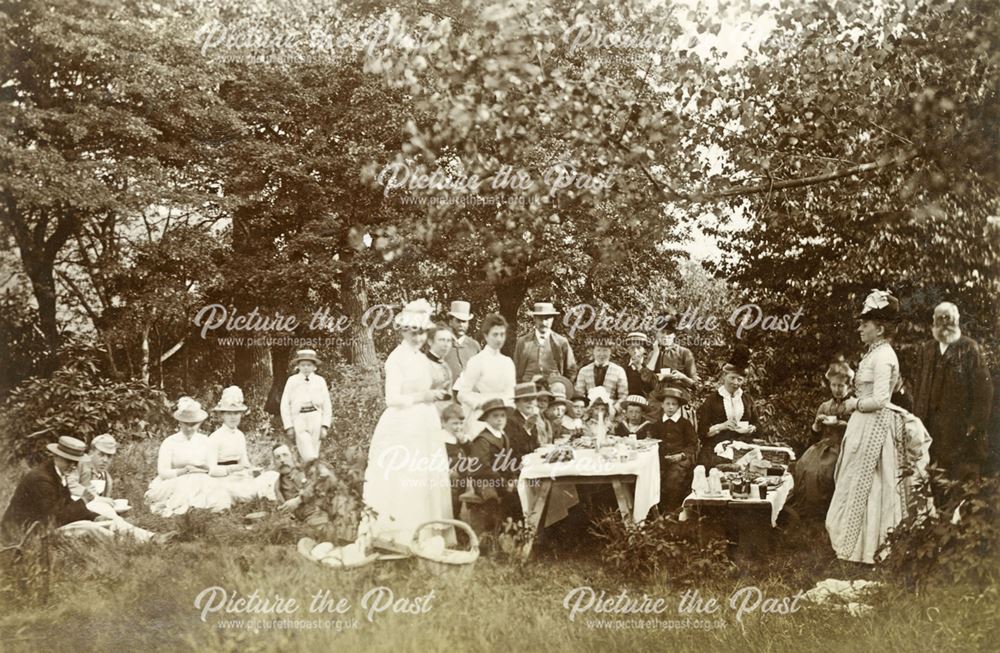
[[659, 546], [928, 548], [77, 401]]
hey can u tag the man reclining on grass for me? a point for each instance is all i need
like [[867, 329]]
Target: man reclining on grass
[[43, 496], [313, 495]]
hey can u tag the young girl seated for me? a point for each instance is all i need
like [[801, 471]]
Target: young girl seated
[[813, 473], [635, 423], [678, 447]]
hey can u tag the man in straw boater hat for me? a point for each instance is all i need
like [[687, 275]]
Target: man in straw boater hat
[[464, 346], [306, 411], [43, 496], [602, 372], [543, 351], [524, 424]]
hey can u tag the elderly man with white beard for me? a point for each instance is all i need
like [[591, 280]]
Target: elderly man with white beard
[[952, 395]]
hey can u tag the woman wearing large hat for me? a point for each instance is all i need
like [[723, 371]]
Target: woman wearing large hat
[[182, 481], [729, 413], [869, 499], [407, 477], [228, 458]]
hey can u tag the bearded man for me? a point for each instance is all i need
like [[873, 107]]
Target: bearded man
[[952, 395]]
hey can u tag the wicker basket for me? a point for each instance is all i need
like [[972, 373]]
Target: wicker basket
[[450, 561]]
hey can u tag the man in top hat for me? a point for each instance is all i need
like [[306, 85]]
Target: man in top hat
[[953, 394], [43, 496], [464, 346], [524, 424], [306, 411], [602, 372], [543, 351], [641, 379]]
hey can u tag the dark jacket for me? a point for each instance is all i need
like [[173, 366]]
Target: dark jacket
[[498, 458], [676, 437], [561, 350], [953, 393], [523, 435], [645, 430], [40, 496], [713, 411]]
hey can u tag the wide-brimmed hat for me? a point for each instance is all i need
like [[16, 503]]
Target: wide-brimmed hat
[[558, 380], [105, 443], [231, 401], [677, 393], [415, 316], [558, 395], [635, 400], [544, 309], [68, 448], [460, 310], [879, 305], [189, 411], [525, 391], [544, 392], [491, 405], [305, 355], [637, 338]]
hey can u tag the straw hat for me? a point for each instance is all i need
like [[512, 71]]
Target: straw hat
[[305, 355], [68, 448], [635, 400], [105, 444], [189, 411], [491, 405], [544, 309], [231, 401], [525, 391], [637, 338]]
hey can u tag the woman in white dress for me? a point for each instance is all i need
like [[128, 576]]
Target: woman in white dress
[[407, 479], [488, 375], [228, 459], [872, 476], [182, 480]]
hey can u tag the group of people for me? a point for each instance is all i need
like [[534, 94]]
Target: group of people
[[461, 416]]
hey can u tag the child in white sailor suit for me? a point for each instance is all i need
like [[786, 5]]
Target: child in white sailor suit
[[305, 405]]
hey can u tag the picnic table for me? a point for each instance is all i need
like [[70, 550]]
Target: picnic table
[[548, 490], [745, 518]]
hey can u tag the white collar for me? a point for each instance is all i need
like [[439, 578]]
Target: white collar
[[62, 477], [676, 417], [498, 434], [725, 394]]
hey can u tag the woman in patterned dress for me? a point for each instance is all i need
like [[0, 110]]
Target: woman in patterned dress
[[869, 497]]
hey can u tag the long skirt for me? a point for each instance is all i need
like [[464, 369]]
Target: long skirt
[[868, 497], [407, 480], [167, 497], [814, 477]]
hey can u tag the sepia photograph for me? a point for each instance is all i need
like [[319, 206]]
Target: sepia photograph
[[477, 325]]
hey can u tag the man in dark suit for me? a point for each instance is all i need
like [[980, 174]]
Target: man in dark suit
[[524, 424], [953, 396], [43, 495], [543, 351]]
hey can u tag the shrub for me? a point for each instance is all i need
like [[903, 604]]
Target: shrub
[[929, 548], [661, 545], [77, 401]]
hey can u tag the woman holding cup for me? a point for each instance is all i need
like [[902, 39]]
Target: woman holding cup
[[729, 413]]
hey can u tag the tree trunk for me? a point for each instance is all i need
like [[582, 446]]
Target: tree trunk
[[144, 367], [43, 283], [354, 297], [251, 363], [510, 296]]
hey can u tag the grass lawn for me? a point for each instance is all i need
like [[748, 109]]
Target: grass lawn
[[142, 598]]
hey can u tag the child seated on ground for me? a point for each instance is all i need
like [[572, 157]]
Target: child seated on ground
[[494, 467], [635, 423], [814, 471], [678, 447]]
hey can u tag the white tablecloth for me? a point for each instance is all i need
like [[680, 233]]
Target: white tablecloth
[[586, 462], [776, 497]]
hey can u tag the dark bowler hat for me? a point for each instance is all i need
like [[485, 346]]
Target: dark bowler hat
[[68, 448], [491, 405]]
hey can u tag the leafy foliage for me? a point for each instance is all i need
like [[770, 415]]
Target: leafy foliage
[[661, 547], [78, 401]]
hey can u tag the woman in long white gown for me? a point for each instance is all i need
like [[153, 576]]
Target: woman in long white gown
[[407, 478], [182, 480]]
